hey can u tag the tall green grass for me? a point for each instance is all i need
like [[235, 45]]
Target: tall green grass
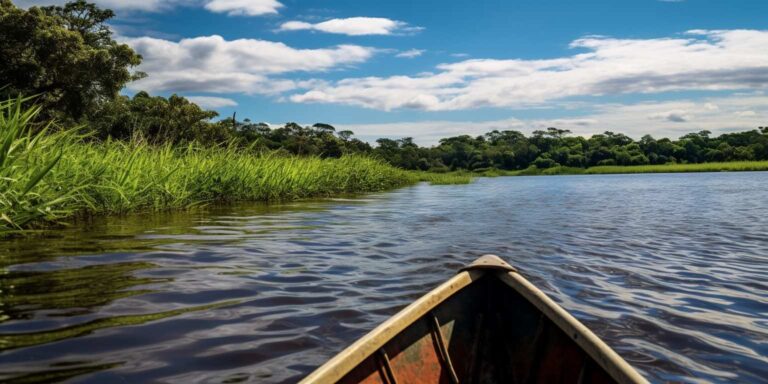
[[46, 177], [26, 160], [665, 168], [448, 178], [734, 166]]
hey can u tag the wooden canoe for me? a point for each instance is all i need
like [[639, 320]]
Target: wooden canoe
[[487, 324]]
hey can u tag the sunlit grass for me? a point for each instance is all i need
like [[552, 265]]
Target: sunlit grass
[[449, 178], [494, 172], [663, 168], [660, 168], [46, 177]]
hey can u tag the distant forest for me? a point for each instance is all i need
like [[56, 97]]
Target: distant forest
[[66, 58], [512, 150]]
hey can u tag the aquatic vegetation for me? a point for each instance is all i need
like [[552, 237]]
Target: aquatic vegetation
[[46, 177], [734, 166], [664, 168], [449, 178]]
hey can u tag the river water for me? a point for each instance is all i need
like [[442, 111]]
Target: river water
[[671, 270]]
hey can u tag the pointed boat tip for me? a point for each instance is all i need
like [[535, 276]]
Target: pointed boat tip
[[489, 262]]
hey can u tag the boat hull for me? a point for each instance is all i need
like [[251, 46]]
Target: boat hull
[[485, 325]]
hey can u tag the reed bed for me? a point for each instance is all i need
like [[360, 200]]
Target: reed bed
[[47, 177], [449, 178], [670, 168], [734, 166]]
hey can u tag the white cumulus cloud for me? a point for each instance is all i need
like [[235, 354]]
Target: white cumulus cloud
[[212, 101], [244, 7], [699, 60], [213, 64], [411, 53], [353, 26]]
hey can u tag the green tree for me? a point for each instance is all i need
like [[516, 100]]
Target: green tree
[[345, 135], [66, 55], [322, 127], [158, 120]]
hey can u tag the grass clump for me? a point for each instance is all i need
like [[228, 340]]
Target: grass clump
[[734, 166], [448, 178], [26, 160], [495, 172], [671, 168], [46, 177]]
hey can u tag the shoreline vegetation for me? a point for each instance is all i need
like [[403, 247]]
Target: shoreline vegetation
[[733, 166], [50, 176]]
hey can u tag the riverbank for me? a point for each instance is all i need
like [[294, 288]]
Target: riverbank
[[48, 178], [57, 180], [735, 166]]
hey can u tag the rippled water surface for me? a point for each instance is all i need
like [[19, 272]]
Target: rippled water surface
[[670, 270]]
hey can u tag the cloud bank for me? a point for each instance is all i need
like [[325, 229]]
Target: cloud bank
[[700, 60], [215, 65], [660, 119], [212, 102]]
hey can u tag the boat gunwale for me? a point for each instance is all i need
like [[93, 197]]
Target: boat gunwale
[[596, 348], [340, 365], [344, 362]]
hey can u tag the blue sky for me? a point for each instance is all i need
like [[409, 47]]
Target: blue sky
[[430, 69]]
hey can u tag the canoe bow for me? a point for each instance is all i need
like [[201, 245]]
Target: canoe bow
[[372, 349]]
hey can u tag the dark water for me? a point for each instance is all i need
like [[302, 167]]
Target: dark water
[[670, 270]]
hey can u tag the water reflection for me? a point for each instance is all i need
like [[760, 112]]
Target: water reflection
[[69, 292], [669, 269], [56, 374]]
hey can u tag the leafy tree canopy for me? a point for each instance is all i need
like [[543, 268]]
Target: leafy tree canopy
[[66, 55], [157, 120], [512, 150]]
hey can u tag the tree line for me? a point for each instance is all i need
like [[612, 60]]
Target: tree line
[[67, 57], [512, 150]]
